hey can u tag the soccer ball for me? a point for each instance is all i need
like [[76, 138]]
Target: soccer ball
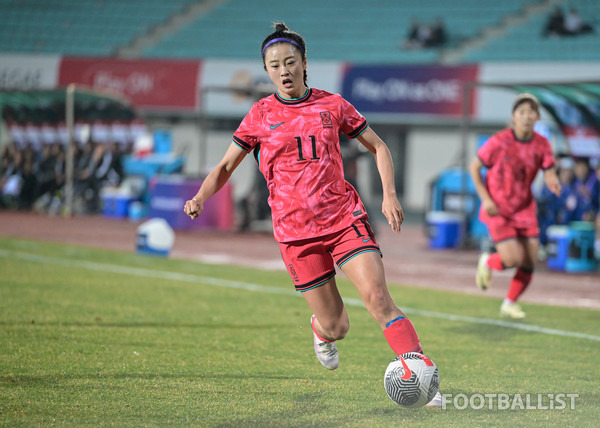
[[411, 380]]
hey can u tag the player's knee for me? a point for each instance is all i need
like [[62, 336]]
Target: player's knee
[[510, 262], [377, 301]]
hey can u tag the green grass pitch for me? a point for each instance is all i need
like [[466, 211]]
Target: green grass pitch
[[105, 338]]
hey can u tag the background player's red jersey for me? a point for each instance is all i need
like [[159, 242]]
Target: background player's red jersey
[[512, 167], [298, 151]]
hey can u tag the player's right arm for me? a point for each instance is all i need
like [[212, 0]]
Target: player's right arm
[[486, 200], [215, 180]]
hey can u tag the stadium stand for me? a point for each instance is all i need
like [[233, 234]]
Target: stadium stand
[[235, 28], [358, 32], [83, 27], [526, 43]]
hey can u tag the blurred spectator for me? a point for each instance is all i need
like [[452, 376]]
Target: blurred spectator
[[99, 165], [587, 187], [46, 169], [10, 180], [33, 165], [51, 177], [18, 181], [561, 209], [438, 36], [29, 185], [89, 177], [579, 199], [574, 25], [422, 35], [83, 157], [412, 38], [555, 26], [116, 173], [36, 180]]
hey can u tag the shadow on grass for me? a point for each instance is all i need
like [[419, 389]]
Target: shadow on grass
[[313, 409]]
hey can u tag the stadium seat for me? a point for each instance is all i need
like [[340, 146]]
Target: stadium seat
[[83, 27], [359, 32], [526, 43]]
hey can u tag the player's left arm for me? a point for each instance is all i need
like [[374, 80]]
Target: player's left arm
[[552, 181], [550, 175], [391, 208]]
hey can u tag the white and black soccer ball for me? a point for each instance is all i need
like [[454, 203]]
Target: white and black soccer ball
[[411, 380]]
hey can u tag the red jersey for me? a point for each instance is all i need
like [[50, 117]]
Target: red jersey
[[512, 166], [297, 147]]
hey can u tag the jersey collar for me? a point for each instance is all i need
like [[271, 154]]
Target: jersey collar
[[293, 101], [519, 139]]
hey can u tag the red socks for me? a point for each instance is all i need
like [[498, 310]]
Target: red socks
[[520, 281], [519, 284], [402, 337], [494, 262]]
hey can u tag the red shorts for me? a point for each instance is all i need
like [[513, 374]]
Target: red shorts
[[310, 261], [502, 229]]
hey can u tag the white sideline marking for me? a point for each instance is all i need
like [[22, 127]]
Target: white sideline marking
[[219, 282]]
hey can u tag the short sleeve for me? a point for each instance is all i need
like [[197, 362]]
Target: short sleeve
[[246, 134], [352, 123], [547, 156], [487, 153]]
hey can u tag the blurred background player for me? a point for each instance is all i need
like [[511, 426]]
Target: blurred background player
[[318, 217], [513, 157]]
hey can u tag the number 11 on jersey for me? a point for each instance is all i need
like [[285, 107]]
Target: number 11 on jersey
[[314, 148]]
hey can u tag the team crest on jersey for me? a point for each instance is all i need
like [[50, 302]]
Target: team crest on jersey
[[326, 119]]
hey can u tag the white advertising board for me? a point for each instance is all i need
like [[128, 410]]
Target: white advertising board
[[28, 71]]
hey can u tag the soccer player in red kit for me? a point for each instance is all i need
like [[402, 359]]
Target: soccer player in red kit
[[318, 217], [513, 157]]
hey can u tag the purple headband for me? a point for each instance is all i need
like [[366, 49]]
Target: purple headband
[[281, 39]]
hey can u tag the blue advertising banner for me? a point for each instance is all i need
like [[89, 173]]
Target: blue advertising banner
[[404, 89]]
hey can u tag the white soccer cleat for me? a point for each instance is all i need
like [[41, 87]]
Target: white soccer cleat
[[326, 352], [512, 310], [436, 401], [484, 273]]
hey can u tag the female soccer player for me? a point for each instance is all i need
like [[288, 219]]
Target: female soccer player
[[318, 217], [513, 158]]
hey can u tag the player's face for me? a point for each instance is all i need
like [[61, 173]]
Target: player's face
[[286, 69], [524, 118]]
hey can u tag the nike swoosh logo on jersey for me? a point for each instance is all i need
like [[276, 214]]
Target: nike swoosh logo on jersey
[[275, 126], [407, 373], [366, 239]]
